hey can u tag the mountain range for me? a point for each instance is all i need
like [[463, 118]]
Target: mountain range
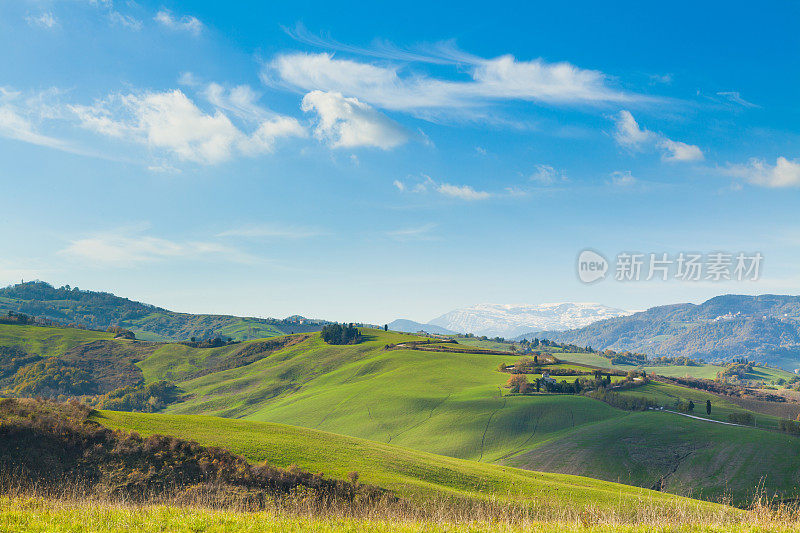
[[763, 328], [504, 320]]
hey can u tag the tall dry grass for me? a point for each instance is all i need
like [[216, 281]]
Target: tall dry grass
[[448, 513]]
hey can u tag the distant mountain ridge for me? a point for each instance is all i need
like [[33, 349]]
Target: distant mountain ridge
[[409, 326], [508, 320], [763, 328], [98, 310]]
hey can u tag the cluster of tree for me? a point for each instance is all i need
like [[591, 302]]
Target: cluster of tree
[[547, 344], [736, 369], [341, 334], [742, 418], [53, 377], [121, 333], [140, 398], [215, 342], [519, 383], [628, 403], [12, 359]]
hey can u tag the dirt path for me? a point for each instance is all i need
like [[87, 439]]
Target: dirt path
[[704, 419]]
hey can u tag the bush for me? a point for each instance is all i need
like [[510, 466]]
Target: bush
[[745, 419]]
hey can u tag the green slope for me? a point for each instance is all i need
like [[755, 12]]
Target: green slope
[[408, 472], [47, 342], [451, 404], [680, 454]]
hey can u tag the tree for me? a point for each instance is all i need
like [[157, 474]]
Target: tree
[[518, 383], [691, 406], [386, 327], [708, 407]]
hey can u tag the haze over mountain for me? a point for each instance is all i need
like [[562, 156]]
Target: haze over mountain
[[763, 328], [509, 320]]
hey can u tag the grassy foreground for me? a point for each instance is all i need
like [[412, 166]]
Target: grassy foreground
[[19, 514]]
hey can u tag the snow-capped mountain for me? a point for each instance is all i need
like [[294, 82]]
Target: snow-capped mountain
[[509, 321]]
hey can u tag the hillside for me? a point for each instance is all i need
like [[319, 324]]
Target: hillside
[[449, 402], [763, 328], [99, 310], [406, 472]]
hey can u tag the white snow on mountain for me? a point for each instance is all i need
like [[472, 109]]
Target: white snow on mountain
[[509, 321]]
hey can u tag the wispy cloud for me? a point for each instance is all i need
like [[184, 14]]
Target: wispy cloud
[[185, 23], [276, 231], [415, 233], [43, 20], [629, 134], [130, 247], [623, 178], [736, 98], [428, 184], [784, 173], [547, 175], [398, 87]]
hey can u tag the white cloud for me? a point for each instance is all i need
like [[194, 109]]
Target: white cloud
[[129, 248], [348, 123], [629, 134], [390, 87], [273, 231], [623, 178], [547, 175], [464, 192], [678, 151], [785, 173], [171, 121], [184, 23], [44, 20], [399, 185]]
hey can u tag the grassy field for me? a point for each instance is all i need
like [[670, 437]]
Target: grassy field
[[593, 359], [449, 404], [665, 394], [407, 472], [676, 453], [47, 342]]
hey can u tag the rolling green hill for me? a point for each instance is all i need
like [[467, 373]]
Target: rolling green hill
[[98, 310], [451, 404], [407, 472]]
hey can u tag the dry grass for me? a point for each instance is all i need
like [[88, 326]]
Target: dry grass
[[29, 510]]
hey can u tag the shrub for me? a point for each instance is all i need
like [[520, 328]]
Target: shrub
[[745, 419]]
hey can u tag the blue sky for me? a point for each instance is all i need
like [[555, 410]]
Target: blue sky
[[354, 163]]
